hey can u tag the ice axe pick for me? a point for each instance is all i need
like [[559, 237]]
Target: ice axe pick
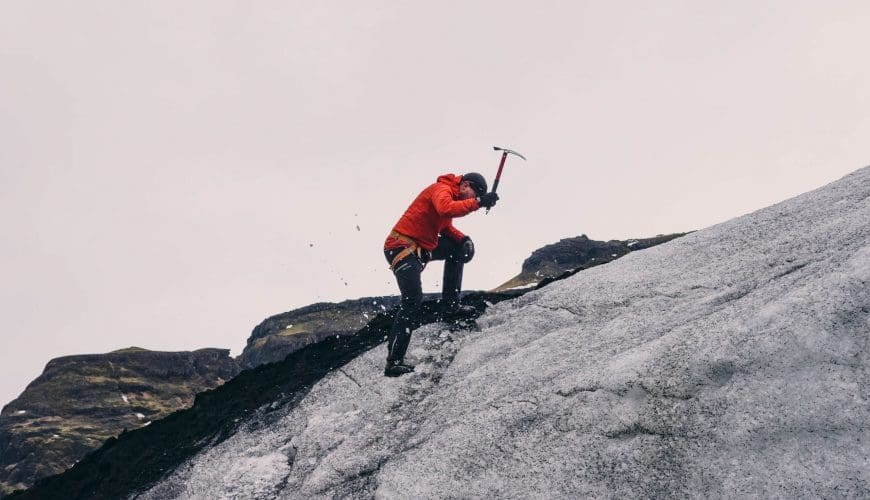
[[504, 153]]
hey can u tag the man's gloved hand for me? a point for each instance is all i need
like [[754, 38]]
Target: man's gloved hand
[[467, 251], [488, 200]]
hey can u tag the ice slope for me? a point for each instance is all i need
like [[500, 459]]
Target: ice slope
[[730, 362]]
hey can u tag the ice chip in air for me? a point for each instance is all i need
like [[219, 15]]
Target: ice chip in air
[[21, 412]]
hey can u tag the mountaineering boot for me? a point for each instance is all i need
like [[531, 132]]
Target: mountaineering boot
[[455, 311], [397, 368]]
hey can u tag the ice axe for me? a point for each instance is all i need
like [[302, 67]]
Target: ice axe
[[504, 153]]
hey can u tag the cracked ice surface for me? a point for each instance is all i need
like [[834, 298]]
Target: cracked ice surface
[[730, 362]]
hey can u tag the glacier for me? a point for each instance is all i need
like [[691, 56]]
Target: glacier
[[730, 362]]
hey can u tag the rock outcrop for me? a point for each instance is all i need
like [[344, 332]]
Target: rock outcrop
[[573, 254], [80, 401], [279, 335]]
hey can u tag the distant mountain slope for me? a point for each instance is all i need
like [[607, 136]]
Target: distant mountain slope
[[732, 362], [279, 335], [80, 401]]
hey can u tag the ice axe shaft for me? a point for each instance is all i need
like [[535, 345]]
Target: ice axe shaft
[[504, 153]]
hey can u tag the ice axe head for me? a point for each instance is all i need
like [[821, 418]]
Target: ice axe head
[[504, 153], [508, 151]]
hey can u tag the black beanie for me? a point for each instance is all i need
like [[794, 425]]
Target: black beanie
[[477, 182]]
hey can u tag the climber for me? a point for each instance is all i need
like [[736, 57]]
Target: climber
[[425, 232]]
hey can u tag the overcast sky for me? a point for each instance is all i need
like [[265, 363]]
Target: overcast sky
[[171, 173]]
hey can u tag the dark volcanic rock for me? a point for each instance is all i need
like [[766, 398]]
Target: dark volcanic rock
[[279, 335], [80, 401], [580, 252]]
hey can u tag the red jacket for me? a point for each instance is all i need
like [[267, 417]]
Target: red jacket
[[432, 212]]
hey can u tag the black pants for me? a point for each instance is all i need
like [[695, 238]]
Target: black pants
[[407, 274]]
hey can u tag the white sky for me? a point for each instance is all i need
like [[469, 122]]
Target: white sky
[[166, 166]]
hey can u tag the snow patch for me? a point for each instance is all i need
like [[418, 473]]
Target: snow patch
[[521, 287]]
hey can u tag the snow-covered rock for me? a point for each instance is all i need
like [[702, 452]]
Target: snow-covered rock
[[730, 362]]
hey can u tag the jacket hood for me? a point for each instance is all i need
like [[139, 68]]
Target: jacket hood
[[452, 181]]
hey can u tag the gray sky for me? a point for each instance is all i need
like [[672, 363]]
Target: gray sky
[[166, 167]]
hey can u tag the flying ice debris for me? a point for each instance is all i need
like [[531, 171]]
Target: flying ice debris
[[21, 412]]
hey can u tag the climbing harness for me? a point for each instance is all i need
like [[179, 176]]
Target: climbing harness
[[412, 248]]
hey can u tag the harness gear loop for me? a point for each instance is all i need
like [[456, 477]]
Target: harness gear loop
[[412, 248]]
